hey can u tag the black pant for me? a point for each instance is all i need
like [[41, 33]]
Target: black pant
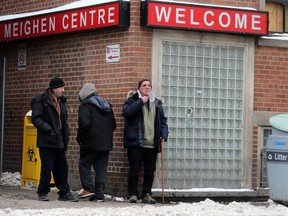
[[53, 160], [99, 161], [136, 156]]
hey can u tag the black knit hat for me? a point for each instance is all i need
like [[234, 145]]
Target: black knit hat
[[56, 82]]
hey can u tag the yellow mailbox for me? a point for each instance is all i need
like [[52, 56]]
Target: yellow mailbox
[[31, 163]]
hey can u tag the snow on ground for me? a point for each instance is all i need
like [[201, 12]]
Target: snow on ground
[[203, 208], [10, 179]]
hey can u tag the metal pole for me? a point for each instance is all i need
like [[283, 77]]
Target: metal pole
[[162, 168]]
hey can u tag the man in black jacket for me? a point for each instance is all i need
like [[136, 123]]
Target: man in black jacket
[[145, 127], [49, 116], [96, 124]]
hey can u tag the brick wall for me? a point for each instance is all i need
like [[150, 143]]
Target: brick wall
[[271, 89], [80, 58], [77, 58], [255, 163], [16, 6], [237, 3]]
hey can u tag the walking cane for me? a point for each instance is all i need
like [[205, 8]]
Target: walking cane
[[162, 168]]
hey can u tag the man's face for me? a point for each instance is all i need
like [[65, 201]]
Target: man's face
[[145, 88], [58, 92]]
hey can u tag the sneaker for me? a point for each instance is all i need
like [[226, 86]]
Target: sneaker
[[99, 200], [68, 197], [133, 199], [94, 198], [148, 199], [85, 194], [43, 197]]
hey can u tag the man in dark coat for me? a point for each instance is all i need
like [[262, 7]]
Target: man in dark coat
[[145, 127], [49, 116], [96, 124]]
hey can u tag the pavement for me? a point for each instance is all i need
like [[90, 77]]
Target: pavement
[[16, 197], [24, 198]]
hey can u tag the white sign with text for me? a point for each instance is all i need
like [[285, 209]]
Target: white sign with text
[[113, 53]]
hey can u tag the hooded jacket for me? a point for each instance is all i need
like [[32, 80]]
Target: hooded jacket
[[45, 119], [96, 121], [133, 128]]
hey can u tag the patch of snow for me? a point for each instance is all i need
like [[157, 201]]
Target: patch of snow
[[276, 36], [11, 179]]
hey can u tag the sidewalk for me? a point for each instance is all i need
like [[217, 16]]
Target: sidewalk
[[23, 202], [15, 197], [23, 198]]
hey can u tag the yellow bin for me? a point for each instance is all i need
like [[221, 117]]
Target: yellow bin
[[31, 163]]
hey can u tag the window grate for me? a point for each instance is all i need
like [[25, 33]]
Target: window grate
[[264, 178]]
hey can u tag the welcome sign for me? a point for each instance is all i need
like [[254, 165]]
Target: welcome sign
[[203, 18]]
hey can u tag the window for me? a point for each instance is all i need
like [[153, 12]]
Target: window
[[278, 15], [203, 90], [265, 133]]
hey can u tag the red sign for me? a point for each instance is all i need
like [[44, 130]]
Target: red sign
[[208, 18], [92, 17]]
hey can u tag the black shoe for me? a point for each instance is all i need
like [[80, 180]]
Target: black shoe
[[68, 197], [133, 199], [148, 199], [43, 197], [97, 199]]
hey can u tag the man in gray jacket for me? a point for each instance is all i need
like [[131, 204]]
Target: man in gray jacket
[[96, 124]]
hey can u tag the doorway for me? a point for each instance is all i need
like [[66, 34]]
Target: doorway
[[206, 83], [2, 69]]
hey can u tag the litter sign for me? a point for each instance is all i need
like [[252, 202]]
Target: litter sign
[[113, 53], [277, 156]]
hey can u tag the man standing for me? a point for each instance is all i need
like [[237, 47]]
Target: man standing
[[49, 116], [96, 124], [145, 127]]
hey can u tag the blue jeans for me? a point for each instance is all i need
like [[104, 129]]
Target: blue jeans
[[99, 161], [136, 157]]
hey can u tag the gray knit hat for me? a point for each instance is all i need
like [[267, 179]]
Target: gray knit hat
[[87, 90]]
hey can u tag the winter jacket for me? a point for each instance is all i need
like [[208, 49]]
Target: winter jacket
[[46, 119], [133, 128], [96, 124]]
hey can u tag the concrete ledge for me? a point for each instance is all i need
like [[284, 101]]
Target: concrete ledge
[[272, 42], [245, 195]]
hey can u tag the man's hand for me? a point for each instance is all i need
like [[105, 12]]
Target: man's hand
[[145, 99]]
